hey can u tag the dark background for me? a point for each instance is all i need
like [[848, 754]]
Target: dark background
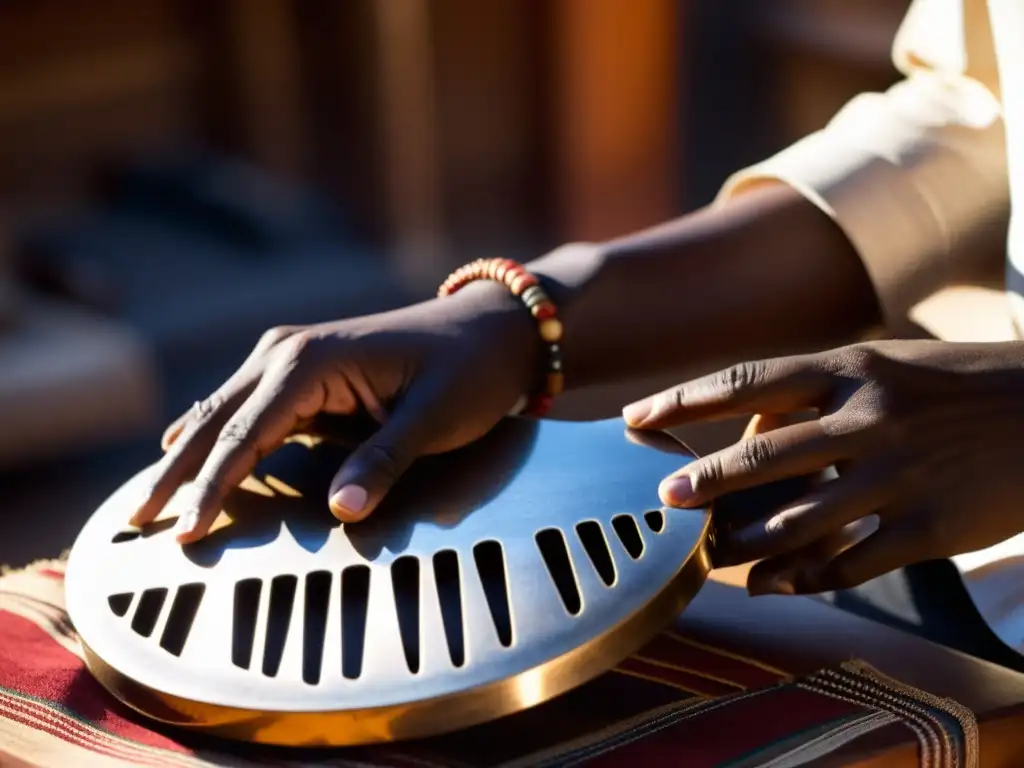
[[178, 175]]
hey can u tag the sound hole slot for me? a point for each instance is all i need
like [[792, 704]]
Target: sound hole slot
[[655, 520], [318, 596], [355, 601], [279, 614], [148, 611], [449, 594], [629, 534], [247, 606], [122, 536], [596, 546], [490, 566], [120, 604], [555, 552], [405, 580], [183, 612]]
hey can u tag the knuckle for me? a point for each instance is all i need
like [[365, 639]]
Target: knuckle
[[753, 453], [203, 409], [675, 398], [881, 409], [791, 524], [274, 336], [852, 420], [384, 462], [863, 361], [208, 487], [707, 475], [667, 403], [238, 431], [736, 378], [297, 348], [837, 424]]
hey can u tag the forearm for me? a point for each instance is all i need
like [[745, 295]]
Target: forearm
[[767, 273]]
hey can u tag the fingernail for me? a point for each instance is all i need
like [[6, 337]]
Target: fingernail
[[772, 585], [187, 522], [636, 413], [349, 501], [676, 491]]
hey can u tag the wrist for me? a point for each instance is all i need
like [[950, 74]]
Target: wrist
[[493, 316], [530, 292]]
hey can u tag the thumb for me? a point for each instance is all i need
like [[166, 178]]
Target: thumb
[[375, 466]]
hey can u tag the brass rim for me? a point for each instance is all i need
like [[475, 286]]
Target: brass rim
[[225, 705], [460, 710]]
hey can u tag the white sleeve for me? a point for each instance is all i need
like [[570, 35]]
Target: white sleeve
[[910, 173]]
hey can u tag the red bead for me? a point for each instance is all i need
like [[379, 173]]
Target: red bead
[[521, 282], [539, 405], [544, 311]]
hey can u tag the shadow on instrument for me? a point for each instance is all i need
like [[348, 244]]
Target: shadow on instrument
[[289, 493]]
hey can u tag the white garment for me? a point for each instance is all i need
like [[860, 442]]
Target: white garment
[[912, 176]]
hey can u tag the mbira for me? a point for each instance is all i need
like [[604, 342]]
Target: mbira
[[492, 578]]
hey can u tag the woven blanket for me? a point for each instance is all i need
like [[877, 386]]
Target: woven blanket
[[675, 703]]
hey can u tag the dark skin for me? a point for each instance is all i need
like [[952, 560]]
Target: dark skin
[[925, 435], [442, 373], [718, 284]]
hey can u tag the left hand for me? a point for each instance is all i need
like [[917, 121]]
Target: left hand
[[928, 436]]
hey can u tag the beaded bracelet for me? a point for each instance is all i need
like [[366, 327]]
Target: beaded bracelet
[[527, 288]]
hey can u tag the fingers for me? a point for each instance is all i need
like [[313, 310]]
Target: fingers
[[234, 390], [231, 393], [374, 467], [766, 386], [829, 508], [885, 550], [174, 430], [776, 575], [284, 397], [798, 449], [842, 560], [196, 435]]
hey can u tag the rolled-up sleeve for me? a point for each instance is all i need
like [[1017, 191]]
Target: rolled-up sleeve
[[911, 173]]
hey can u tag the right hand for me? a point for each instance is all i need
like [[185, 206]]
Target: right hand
[[435, 375]]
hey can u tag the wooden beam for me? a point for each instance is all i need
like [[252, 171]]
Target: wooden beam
[[261, 52], [616, 102], [408, 122]]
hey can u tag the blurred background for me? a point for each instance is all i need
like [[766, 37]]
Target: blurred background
[[178, 175]]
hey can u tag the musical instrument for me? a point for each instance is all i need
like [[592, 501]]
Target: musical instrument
[[491, 579]]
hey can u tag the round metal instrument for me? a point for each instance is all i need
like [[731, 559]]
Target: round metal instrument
[[492, 579]]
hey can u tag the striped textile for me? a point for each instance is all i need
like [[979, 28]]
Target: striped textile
[[676, 702]]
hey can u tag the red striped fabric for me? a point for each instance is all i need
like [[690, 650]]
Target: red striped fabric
[[676, 702]]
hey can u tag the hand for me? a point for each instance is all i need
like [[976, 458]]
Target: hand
[[926, 437], [435, 376]]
